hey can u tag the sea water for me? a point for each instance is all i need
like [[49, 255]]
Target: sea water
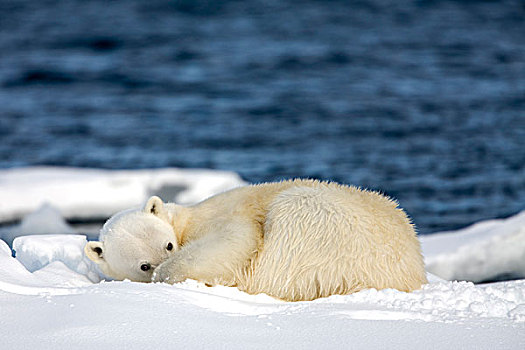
[[422, 100]]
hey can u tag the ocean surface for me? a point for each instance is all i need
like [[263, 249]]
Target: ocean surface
[[422, 100]]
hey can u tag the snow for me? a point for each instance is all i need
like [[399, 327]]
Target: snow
[[36, 252], [45, 220], [52, 296], [56, 307], [483, 251], [96, 193]]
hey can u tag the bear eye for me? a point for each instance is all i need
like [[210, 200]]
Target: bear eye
[[145, 267], [169, 246]]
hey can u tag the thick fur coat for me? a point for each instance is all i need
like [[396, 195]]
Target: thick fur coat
[[294, 240]]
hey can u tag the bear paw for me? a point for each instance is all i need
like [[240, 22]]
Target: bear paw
[[167, 273]]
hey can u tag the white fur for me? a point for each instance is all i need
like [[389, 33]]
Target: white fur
[[130, 239], [294, 240]]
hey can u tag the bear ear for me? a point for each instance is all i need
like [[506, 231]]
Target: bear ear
[[94, 251], [154, 206]]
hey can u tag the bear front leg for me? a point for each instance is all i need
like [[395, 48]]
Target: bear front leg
[[171, 271], [217, 257]]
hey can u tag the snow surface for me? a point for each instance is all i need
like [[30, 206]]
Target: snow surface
[[96, 193], [52, 296], [484, 251], [59, 307]]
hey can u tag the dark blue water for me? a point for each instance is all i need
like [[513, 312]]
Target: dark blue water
[[423, 100]]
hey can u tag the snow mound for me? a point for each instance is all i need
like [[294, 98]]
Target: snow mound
[[46, 219], [36, 252], [447, 301], [12, 271], [95, 193], [57, 273], [54, 279], [488, 250], [437, 302]]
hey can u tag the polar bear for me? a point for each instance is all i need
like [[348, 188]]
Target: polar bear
[[294, 240]]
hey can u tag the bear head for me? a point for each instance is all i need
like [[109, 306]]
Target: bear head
[[134, 242]]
